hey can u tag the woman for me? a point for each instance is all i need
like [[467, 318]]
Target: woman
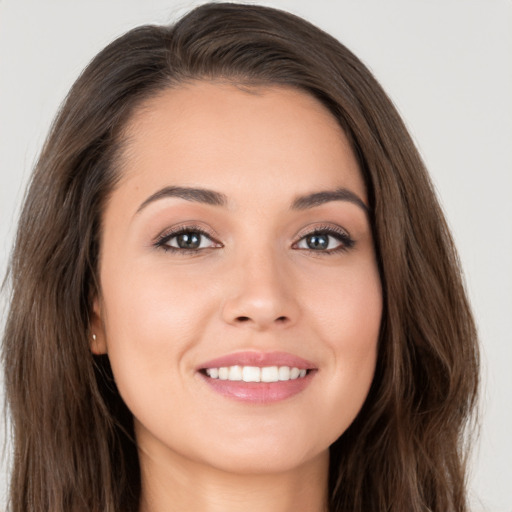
[[233, 287]]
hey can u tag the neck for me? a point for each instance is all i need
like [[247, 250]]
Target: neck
[[185, 485]]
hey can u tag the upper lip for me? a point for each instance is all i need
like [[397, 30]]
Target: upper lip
[[260, 359]]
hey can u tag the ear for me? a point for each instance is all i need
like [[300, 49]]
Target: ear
[[97, 338]]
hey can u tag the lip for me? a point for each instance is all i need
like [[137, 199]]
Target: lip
[[258, 392], [260, 359]]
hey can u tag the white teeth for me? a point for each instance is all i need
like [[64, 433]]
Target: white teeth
[[235, 373], [251, 374], [213, 373], [284, 373], [269, 374], [256, 374]]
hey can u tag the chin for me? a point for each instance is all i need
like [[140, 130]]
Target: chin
[[266, 461], [266, 451]]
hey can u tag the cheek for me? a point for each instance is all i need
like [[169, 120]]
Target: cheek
[[151, 321], [346, 313], [152, 303], [346, 307]]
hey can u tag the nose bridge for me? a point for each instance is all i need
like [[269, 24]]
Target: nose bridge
[[260, 293]]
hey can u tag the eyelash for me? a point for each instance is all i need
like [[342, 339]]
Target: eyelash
[[347, 242], [164, 238]]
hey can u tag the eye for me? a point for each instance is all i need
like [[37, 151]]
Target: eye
[[186, 239], [189, 240], [326, 240]]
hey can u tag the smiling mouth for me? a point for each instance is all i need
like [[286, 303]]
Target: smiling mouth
[[255, 373], [258, 377]]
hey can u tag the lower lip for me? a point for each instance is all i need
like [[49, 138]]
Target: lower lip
[[260, 392]]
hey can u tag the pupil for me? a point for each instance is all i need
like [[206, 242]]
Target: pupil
[[189, 240], [317, 242]]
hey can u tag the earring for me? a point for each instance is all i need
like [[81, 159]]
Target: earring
[[93, 337]]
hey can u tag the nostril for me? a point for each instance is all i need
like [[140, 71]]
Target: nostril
[[281, 319]]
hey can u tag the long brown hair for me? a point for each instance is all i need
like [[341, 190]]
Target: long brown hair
[[73, 437]]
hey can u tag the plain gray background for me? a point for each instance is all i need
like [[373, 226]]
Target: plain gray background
[[447, 65]]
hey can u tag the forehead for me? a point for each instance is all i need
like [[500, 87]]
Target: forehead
[[273, 140]]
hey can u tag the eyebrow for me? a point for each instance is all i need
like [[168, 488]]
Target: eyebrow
[[198, 195], [211, 197], [319, 198]]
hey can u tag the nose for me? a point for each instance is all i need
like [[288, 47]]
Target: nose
[[261, 294]]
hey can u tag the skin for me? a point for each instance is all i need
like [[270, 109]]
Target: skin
[[258, 287]]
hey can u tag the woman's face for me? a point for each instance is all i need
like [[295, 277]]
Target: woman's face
[[237, 246]]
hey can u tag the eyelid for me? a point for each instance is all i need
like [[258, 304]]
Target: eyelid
[[321, 228], [161, 240], [347, 242]]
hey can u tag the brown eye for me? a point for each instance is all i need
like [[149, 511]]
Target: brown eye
[[317, 242], [190, 240]]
